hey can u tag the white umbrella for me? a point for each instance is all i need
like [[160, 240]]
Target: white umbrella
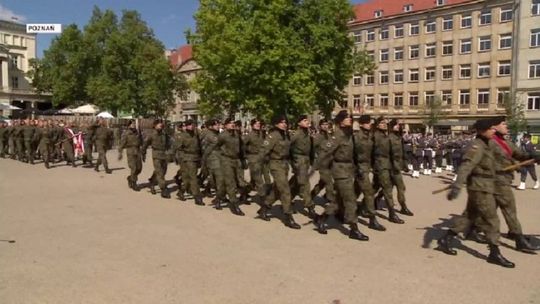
[[7, 106], [86, 109], [105, 115]]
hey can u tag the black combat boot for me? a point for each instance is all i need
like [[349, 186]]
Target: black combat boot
[[392, 216], [152, 186], [524, 246], [165, 193], [107, 170], [311, 212], [263, 213], [130, 183], [405, 211], [135, 187], [321, 224], [495, 257], [244, 195], [180, 194], [473, 235], [289, 222], [199, 201], [96, 168], [47, 165], [374, 224], [355, 233], [217, 203], [444, 243], [235, 209]]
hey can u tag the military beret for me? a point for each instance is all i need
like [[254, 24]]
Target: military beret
[[365, 119], [278, 118], [238, 123], [393, 122], [211, 122], [323, 121], [301, 117], [254, 121], [379, 120], [497, 120], [483, 124], [228, 120], [341, 116]]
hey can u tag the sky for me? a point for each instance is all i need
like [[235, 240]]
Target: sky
[[168, 18]]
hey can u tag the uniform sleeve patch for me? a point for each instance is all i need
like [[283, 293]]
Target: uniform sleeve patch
[[266, 143], [328, 145]]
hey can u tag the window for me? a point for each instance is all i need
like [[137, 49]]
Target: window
[[370, 35], [15, 82], [465, 71], [429, 97], [535, 7], [484, 70], [448, 47], [407, 8], [383, 55], [448, 23], [503, 94], [398, 31], [398, 76], [14, 61], [383, 100], [398, 53], [447, 71], [414, 29], [413, 99], [446, 97], [504, 68], [440, 2], [431, 50], [533, 101], [465, 46], [485, 17], [371, 55], [505, 41], [484, 44], [378, 13], [414, 51], [464, 97], [357, 101], [483, 98], [384, 34], [506, 14], [398, 100], [431, 26], [466, 21], [430, 74], [535, 38], [370, 79], [534, 69], [357, 36], [357, 79], [383, 77], [414, 75], [370, 100]]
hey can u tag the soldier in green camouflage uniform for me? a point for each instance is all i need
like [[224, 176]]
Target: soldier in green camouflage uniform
[[342, 153], [44, 134], [189, 143], [88, 129], [253, 143], [321, 144], [398, 164], [3, 139], [180, 129], [364, 151], [276, 148], [478, 171], [28, 136], [505, 152], [160, 143], [66, 141], [19, 140], [302, 155], [102, 137], [212, 160], [230, 148], [11, 139], [132, 141]]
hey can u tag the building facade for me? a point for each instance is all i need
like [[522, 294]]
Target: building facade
[[456, 53], [17, 48]]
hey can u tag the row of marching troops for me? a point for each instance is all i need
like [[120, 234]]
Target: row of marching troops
[[55, 141]]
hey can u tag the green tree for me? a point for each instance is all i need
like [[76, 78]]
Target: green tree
[[515, 113], [433, 113], [279, 56]]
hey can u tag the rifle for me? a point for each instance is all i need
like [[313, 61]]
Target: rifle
[[519, 165], [71, 137]]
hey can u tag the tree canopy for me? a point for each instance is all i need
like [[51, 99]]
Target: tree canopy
[[116, 64], [280, 56]]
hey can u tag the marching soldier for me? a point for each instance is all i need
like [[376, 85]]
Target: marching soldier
[[132, 141], [44, 135], [302, 157], [342, 152], [277, 148], [11, 140], [253, 145], [180, 129], [323, 164], [3, 139], [212, 160], [189, 143], [88, 136], [66, 141], [28, 135], [102, 138], [397, 156], [19, 140], [160, 143], [478, 170]]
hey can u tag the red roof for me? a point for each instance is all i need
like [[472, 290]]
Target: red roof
[[181, 55], [366, 11]]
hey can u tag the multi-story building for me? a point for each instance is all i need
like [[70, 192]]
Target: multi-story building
[[182, 59], [17, 48], [458, 52]]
